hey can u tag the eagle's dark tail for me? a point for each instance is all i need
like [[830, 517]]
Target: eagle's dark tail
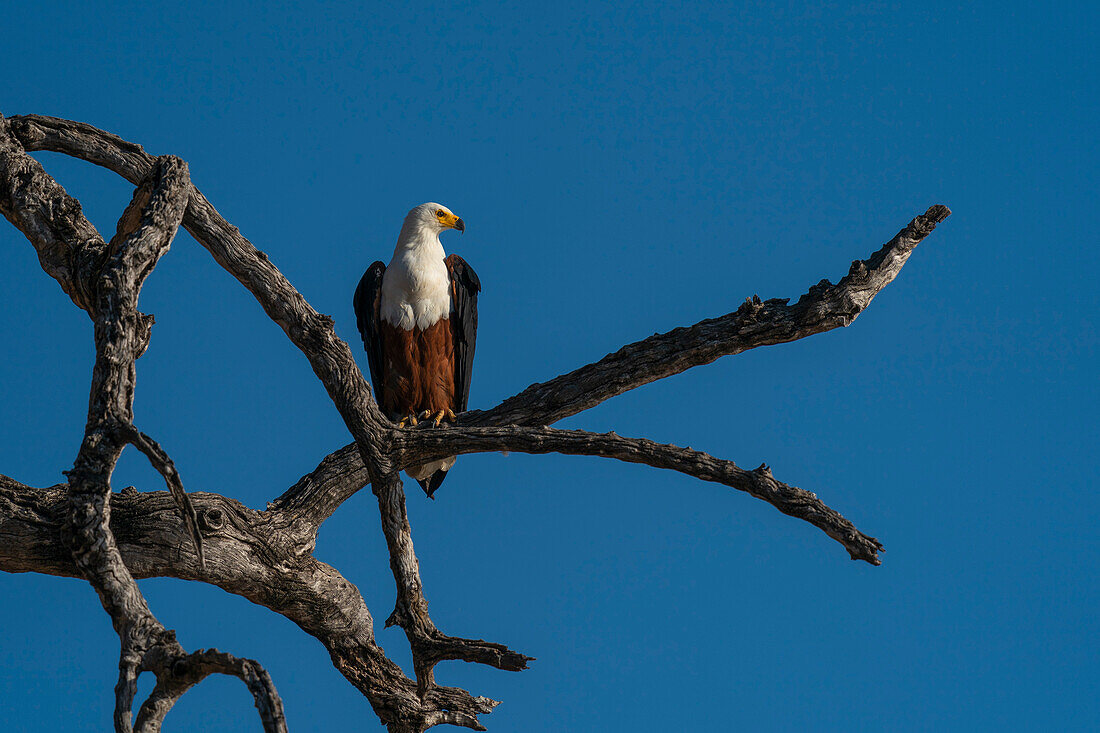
[[433, 482]]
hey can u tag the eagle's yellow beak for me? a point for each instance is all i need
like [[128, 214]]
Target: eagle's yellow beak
[[450, 221]]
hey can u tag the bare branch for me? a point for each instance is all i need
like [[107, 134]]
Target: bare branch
[[50, 218], [252, 554], [167, 469], [318, 494], [311, 332], [122, 335], [429, 645], [188, 670], [755, 323], [334, 365], [451, 718], [271, 562], [106, 280], [419, 446], [126, 689], [300, 506]]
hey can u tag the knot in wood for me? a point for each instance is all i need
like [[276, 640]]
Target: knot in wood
[[212, 519], [181, 667]]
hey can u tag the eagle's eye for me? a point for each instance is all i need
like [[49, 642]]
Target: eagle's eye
[[440, 213]]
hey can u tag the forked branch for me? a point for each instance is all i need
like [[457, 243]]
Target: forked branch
[[280, 571], [105, 280], [191, 669], [755, 323]]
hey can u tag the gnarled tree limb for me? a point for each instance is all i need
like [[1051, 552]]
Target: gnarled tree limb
[[429, 645], [267, 556], [431, 445], [256, 555], [755, 323], [191, 669], [106, 281], [49, 217], [333, 364], [310, 331]]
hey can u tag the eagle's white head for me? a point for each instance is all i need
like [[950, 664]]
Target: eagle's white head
[[416, 289], [432, 218]]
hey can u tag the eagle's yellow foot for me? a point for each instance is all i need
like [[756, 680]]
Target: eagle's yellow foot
[[450, 414], [438, 418], [425, 415], [408, 421]]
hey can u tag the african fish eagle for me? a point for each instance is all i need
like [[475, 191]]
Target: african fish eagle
[[418, 319]]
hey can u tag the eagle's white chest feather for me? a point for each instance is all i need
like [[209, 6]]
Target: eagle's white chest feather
[[416, 289]]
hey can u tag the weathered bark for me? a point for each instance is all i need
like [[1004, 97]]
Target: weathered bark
[[755, 323], [257, 555], [49, 217], [106, 280], [267, 556]]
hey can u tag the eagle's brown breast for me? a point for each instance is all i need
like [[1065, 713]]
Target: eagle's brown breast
[[418, 369]]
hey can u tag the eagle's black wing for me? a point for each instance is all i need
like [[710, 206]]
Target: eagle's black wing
[[464, 289], [367, 302]]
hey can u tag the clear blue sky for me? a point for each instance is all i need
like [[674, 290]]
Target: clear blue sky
[[622, 171]]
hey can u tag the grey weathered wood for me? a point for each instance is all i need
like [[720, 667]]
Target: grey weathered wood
[[49, 217], [105, 280], [755, 323], [267, 556], [257, 555], [335, 366]]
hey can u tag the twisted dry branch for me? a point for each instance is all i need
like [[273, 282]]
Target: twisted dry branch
[[105, 280], [256, 555], [266, 556], [760, 483], [191, 669], [755, 323]]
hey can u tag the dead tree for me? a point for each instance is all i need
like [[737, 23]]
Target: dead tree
[[83, 529]]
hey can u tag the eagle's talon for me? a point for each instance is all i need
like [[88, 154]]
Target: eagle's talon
[[438, 418], [425, 415], [450, 414]]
